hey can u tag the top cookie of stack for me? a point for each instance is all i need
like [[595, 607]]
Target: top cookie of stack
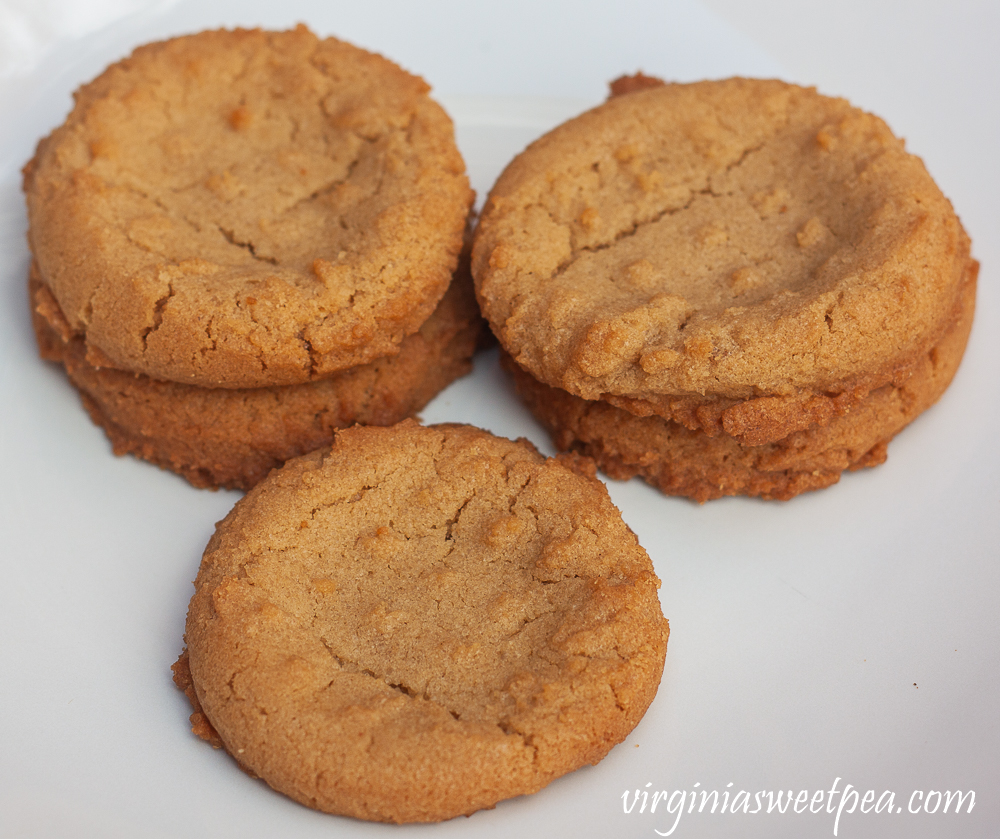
[[745, 261], [688, 248], [244, 209]]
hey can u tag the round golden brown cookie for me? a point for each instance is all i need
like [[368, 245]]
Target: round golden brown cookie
[[224, 437], [744, 256], [681, 461], [248, 208], [420, 622]]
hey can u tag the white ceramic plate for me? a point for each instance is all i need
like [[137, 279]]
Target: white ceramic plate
[[849, 636]]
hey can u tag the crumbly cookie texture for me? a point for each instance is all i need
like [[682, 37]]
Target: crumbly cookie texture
[[224, 437], [690, 462], [420, 622], [688, 249], [248, 208]]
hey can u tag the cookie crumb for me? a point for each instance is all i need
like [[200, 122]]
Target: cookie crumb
[[624, 85]]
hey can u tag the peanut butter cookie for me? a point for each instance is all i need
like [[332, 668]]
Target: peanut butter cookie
[[745, 257], [420, 622], [247, 208]]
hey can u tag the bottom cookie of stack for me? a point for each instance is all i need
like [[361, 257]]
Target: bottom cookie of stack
[[681, 461], [220, 437]]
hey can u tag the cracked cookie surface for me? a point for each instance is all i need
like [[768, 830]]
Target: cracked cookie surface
[[719, 242], [248, 208], [420, 622]]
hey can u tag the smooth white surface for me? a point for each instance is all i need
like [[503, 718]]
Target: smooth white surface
[[849, 633]]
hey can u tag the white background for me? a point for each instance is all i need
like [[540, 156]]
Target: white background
[[849, 633]]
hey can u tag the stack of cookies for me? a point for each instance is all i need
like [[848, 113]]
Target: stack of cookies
[[247, 247], [243, 240], [727, 287]]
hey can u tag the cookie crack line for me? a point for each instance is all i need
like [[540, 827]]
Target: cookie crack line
[[158, 308], [653, 219], [383, 171], [527, 621], [347, 499], [510, 730], [743, 156], [230, 236], [451, 522], [361, 491], [329, 187], [213, 342], [308, 347], [157, 202], [346, 665], [555, 582]]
